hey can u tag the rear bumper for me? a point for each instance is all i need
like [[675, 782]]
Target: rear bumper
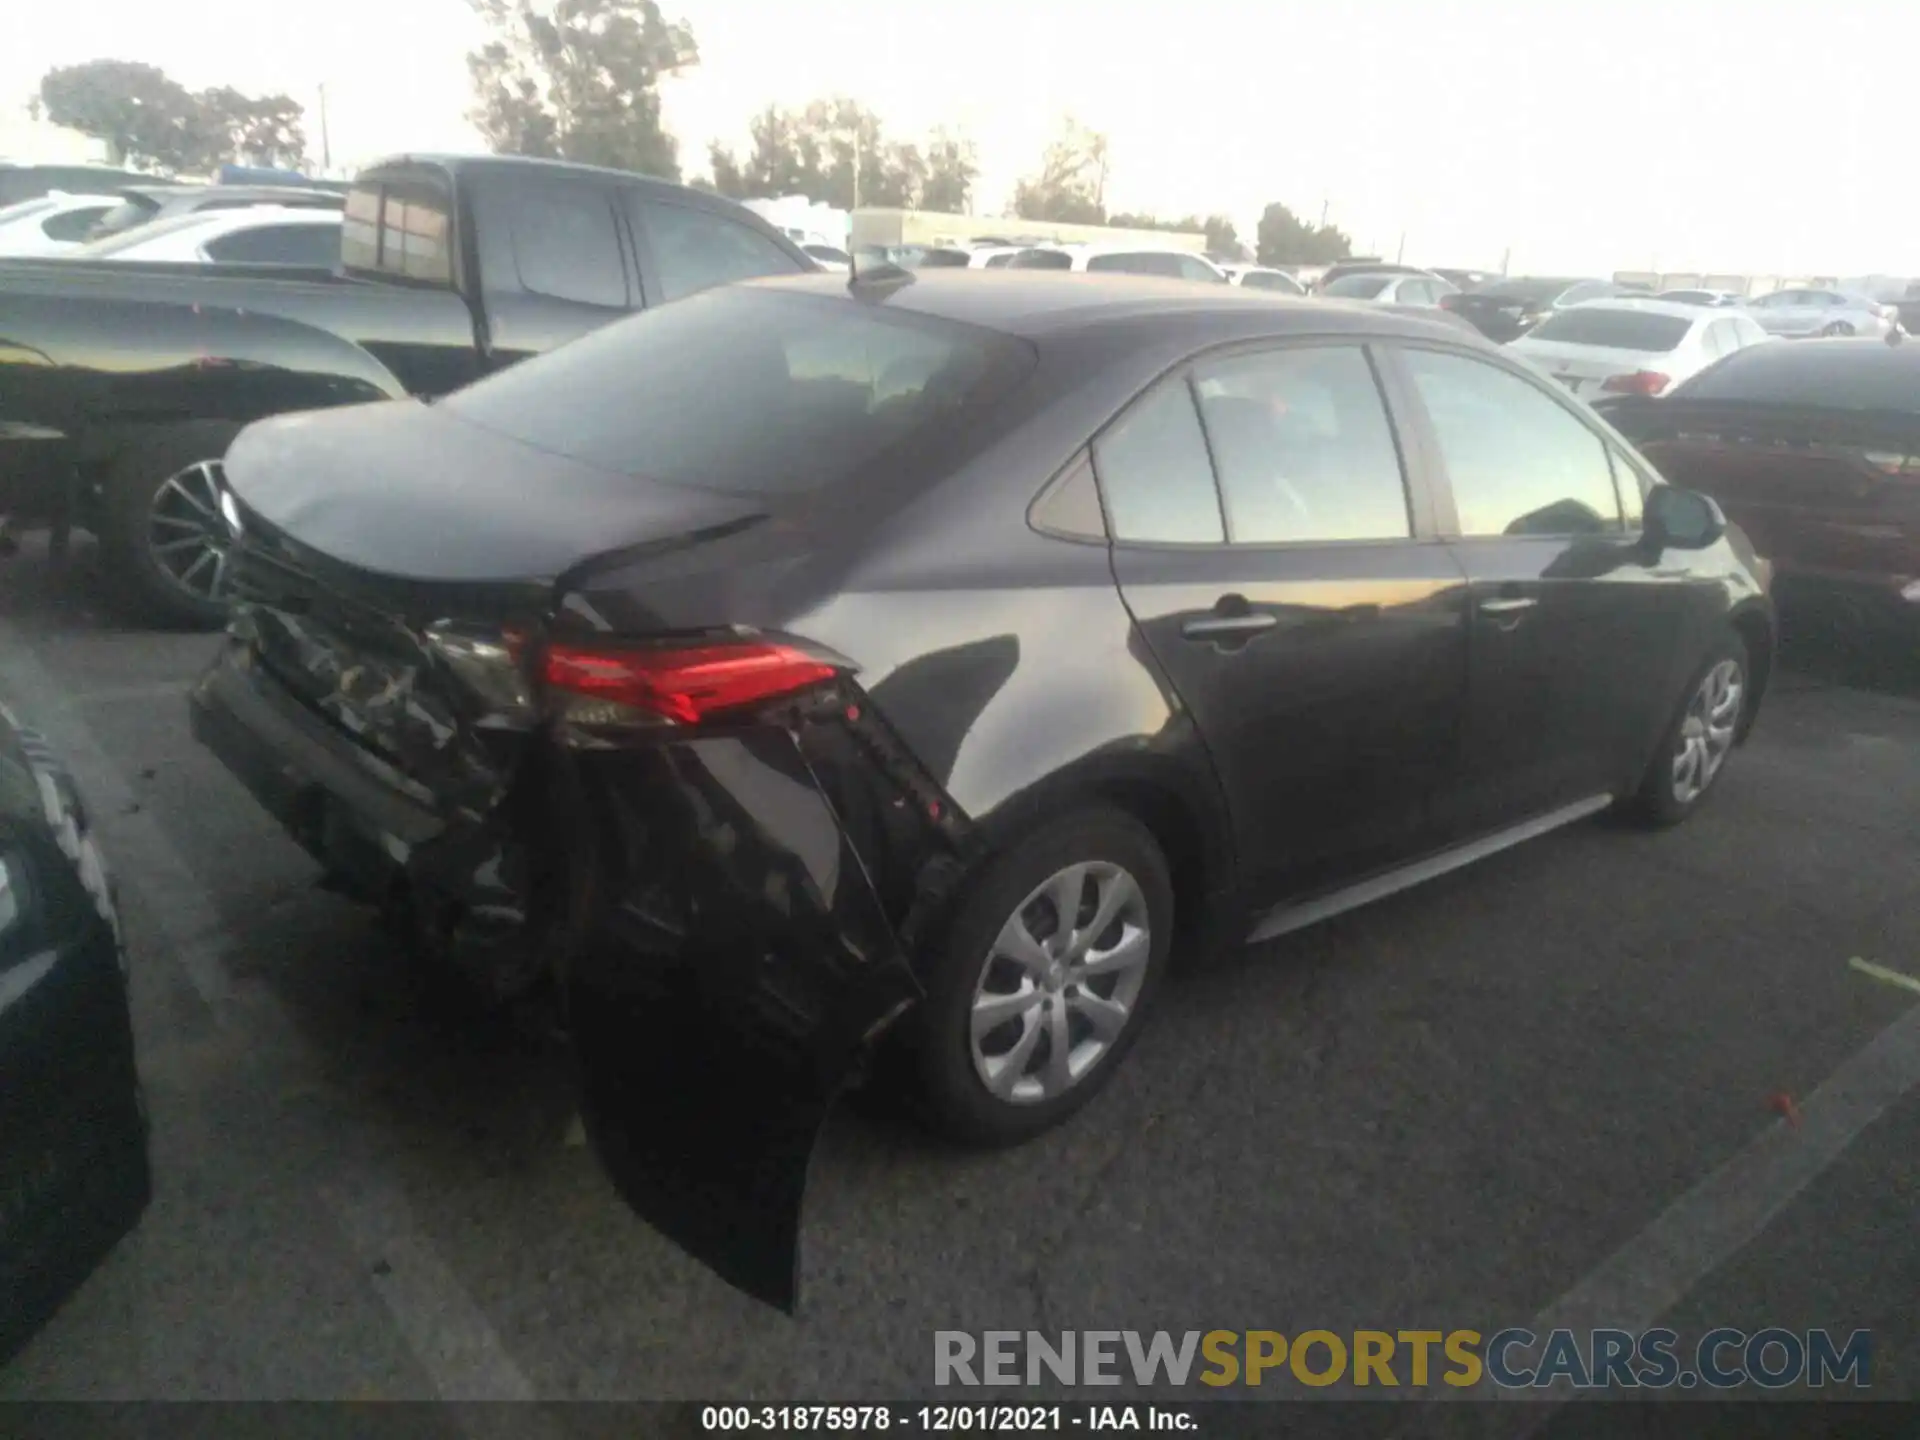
[[723, 955]]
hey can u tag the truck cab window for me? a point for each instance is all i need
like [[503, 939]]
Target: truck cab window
[[695, 249], [565, 246]]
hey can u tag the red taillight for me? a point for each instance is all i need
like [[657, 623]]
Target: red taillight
[[687, 684], [1641, 382], [1449, 302]]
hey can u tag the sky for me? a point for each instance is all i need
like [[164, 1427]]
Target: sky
[[1686, 135]]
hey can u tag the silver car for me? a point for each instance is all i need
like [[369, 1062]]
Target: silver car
[[1391, 288], [1797, 312]]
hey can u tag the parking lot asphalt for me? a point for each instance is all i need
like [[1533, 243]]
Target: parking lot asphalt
[[1454, 1109]]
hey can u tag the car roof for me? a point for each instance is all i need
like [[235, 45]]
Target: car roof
[[1113, 247], [1035, 303]]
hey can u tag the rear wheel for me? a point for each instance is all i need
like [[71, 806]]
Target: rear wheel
[[1700, 740], [1046, 972], [164, 542]]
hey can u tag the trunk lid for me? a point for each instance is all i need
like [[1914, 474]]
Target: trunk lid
[[1584, 369], [391, 557]]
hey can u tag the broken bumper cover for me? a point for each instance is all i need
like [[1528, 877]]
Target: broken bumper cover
[[730, 967]]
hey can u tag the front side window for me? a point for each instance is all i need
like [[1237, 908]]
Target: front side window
[[1520, 462], [1154, 472], [695, 250], [1302, 446]]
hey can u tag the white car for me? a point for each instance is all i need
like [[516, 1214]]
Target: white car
[[1262, 277], [251, 235], [51, 224], [992, 257], [1634, 347], [1390, 287], [1121, 259], [1822, 312], [1718, 298]]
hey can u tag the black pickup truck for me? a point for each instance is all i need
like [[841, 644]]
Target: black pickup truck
[[121, 383]]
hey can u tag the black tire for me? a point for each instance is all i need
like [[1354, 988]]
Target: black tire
[[1658, 801], [1838, 327], [141, 586], [954, 1098]]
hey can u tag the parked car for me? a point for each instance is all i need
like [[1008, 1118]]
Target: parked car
[[30, 182], [1814, 449], [73, 1128], [146, 204], [1800, 312], [912, 722], [1119, 258], [1262, 277], [256, 235], [1361, 265], [1508, 308], [1718, 299], [1633, 347], [1466, 279], [992, 257], [52, 224], [1390, 288], [121, 384]]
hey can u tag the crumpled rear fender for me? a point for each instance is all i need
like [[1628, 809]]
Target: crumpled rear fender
[[737, 963]]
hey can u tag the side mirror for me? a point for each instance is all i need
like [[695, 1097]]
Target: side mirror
[[1675, 519]]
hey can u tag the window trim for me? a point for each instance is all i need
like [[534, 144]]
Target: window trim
[[1445, 504], [605, 197], [1415, 454], [382, 181]]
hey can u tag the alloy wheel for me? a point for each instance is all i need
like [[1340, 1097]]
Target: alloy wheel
[[1060, 983], [1706, 731], [187, 535]]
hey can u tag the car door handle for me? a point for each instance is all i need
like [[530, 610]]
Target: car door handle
[[1507, 604], [1217, 625]]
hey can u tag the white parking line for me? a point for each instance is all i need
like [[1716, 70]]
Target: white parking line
[[1718, 1217], [448, 1334]]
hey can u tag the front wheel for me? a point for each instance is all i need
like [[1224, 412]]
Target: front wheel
[[1046, 971], [1698, 743], [1838, 327], [164, 541]]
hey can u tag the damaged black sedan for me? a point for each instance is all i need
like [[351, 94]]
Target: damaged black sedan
[[807, 671]]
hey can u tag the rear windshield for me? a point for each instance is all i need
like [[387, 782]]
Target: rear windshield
[[1041, 260], [752, 391], [1614, 329], [1268, 280], [1359, 287], [1831, 374], [141, 234], [126, 215]]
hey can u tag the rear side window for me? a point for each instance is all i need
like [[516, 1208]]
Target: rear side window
[[695, 250], [1520, 463], [566, 245], [314, 246], [1145, 262], [403, 229], [1041, 260], [1154, 472], [752, 391], [1302, 446], [1614, 329]]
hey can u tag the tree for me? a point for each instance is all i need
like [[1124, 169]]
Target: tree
[[144, 117], [579, 80], [952, 167], [1285, 239], [262, 131], [148, 119], [1072, 183], [835, 152], [1223, 238]]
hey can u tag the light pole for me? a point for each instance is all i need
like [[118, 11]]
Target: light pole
[[326, 144]]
